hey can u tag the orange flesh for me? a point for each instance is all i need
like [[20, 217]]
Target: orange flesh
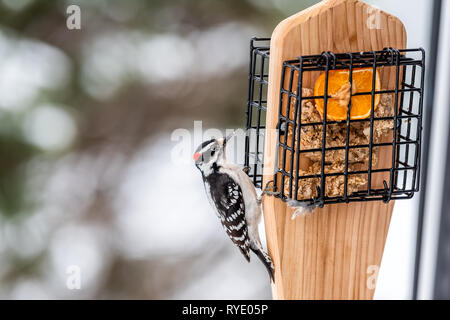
[[339, 93]]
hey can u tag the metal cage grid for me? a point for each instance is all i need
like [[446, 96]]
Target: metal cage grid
[[256, 108], [403, 172]]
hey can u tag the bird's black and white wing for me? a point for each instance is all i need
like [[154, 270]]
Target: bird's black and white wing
[[226, 196]]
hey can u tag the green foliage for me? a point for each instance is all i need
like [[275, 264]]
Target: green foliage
[[15, 154]]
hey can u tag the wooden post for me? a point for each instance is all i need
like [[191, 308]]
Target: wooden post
[[333, 253]]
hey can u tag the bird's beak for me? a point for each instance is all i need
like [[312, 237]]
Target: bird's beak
[[229, 137]]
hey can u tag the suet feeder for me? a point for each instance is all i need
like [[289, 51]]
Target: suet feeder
[[334, 121]]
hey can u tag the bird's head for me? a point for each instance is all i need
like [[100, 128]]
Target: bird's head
[[211, 153]]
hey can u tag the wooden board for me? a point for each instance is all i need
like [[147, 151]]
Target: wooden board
[[335, 252]]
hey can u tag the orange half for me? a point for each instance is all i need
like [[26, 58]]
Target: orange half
[[339, 93]]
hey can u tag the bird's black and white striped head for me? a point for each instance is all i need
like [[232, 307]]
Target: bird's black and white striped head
[[211, 154]]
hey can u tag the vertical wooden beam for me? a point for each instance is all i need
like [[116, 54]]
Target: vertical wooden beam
[[327, 255]]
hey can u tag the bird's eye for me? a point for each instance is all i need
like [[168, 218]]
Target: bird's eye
[[213, 152]]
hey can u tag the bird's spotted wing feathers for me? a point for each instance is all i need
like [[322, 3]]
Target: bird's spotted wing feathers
[[229, 202]]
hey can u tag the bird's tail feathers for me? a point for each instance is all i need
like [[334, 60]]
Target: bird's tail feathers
[[266, 260]]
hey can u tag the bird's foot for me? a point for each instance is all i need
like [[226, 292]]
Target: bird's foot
[[268, 190]]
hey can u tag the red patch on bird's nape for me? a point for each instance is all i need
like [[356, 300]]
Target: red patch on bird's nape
[[196, 156]]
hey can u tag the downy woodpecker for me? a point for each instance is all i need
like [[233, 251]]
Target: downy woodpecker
[[233, 197]]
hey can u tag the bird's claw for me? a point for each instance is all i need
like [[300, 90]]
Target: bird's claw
[[268, 190]]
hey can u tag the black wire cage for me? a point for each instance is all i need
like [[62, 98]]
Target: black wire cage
[[347, 159]]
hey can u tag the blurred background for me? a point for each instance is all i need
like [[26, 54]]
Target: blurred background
[[87, 176]]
